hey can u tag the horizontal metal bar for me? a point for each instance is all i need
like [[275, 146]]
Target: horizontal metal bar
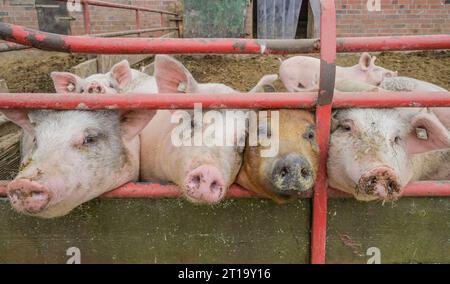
[[92, 45], [42, 6], [123, 6], [391, 43], [130, 32], [10, 46], [79, 44], [235, 100], [153, 190]]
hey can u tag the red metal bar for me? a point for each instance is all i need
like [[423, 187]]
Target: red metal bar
[[389, 43], [153, 101], [86, 18], [414, 189], [235, 100], [323, 122], [79, 44], [152, 190]]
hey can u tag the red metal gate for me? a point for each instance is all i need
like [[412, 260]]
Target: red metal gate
[[323, 101]]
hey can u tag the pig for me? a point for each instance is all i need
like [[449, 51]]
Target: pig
[[294, 169], [121, 78], [375, 153], [70, 157], [301, 73], [407, 84], [204, 172]]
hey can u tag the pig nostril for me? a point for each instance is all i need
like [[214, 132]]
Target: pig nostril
[[196, 179], [392, 187], [283, 172], [215, 186], [371, 181], [305, 173]]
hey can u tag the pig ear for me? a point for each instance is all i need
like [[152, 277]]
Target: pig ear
[[365, 61], [428, 134], [121, 72], [65, 82], [19, 117], [172, 77], [132, 122]]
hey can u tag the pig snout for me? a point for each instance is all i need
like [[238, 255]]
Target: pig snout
[[205, 184], [381, 182], [28, 196], [292, 174], [96, 88]]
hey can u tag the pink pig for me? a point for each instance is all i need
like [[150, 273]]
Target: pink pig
[[70, 157], [203, 173], [374, 153], [301, 73]]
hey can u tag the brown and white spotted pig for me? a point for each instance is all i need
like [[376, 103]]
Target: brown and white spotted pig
[[70, 157], [374, 153], [204, 172], [294, 169], [301, 73]]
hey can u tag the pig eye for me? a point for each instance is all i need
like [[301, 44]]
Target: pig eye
[[310, 135], [397, 139], [345, 127], [90, 139]]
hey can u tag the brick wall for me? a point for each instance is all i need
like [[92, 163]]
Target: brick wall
[[22, 12], [397, 17]]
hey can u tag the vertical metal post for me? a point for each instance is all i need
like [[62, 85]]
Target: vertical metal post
[[86, 17], [138, 21], [161, 20], [323, 121]]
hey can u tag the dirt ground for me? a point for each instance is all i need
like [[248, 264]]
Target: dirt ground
[[31, 73], [243, 74], [28, 71]]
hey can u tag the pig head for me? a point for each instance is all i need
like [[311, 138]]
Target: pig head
[[293, 169], [121, 78], [374, 153], [74, 156], [203, 172]]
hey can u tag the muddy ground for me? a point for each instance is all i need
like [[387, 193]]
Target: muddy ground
[[28, 71]]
